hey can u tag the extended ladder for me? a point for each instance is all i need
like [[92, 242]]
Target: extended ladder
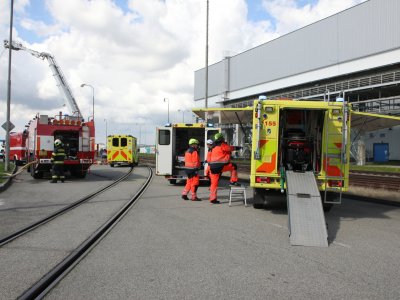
[[335, 129], [307, 225]]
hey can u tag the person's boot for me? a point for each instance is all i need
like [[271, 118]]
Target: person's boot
[[215, 201], [185, 197], [196, 199]]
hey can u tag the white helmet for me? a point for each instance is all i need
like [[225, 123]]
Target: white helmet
[[57, 143]]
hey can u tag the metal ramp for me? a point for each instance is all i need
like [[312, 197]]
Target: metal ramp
[[307, 225]]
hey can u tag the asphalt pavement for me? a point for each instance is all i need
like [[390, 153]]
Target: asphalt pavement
[[168, 248]]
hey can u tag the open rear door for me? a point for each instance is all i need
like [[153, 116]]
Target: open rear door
[[164, 148]]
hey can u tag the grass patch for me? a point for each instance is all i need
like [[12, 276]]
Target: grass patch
[[3, 175], [389, 167]]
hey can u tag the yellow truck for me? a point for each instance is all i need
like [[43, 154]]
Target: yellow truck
[[122, 150], [301, 155]]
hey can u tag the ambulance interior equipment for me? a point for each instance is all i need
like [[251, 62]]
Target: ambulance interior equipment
[[300, 136]]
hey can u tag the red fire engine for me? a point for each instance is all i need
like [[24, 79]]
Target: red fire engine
[[18, 149], [76, 135]]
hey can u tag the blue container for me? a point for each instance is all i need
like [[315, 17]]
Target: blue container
[[381, 152]]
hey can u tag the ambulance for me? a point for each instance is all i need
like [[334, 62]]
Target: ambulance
[[301, 156], [172, 143], [122, 150]]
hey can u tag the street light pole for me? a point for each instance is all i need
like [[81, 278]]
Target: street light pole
[[84, 84], [167, 100], [206, 79], [105, 120], [183, 114], [8, 123], [140, 132]]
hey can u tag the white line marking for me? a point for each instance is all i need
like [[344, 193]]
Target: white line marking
[[341, 244]]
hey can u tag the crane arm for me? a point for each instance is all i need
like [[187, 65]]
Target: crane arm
[[57, 73]]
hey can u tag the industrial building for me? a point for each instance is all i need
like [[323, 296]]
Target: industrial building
[[354, 53]]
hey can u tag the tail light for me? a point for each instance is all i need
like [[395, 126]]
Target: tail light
[[263, 179], [335, 183]]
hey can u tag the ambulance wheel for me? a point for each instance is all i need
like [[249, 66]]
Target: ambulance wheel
[[112, 165], [172, 181], [330, 196], [258, 198], [327, 206]]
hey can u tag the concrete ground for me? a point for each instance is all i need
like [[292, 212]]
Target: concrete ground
[[167, 248]]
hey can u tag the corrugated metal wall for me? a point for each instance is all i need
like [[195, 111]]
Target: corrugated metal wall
[[366, 29]]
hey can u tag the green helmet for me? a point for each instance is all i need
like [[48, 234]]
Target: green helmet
[[193, 141], [218, 136]]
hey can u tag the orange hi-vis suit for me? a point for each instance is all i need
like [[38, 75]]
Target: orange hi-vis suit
[[219, 163], [192, 164]]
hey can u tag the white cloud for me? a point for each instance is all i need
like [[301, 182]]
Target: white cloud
[[136, 58]]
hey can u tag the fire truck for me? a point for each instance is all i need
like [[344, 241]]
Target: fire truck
[[301, 156], [77, 135], [18, 147], [172, 143]]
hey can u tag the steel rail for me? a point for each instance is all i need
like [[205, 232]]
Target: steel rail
[[44, 285], [65, 209]]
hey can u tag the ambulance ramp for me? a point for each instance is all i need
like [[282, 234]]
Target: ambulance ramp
[[306, 215]]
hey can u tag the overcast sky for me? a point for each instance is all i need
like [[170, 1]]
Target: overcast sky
[[134, 53]]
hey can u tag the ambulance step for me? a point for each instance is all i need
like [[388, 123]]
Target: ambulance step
[[307, 225]]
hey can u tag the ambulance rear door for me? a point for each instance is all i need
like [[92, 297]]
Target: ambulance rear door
[[164, 150]]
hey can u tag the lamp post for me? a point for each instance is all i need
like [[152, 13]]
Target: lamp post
[[8, 123], [140, 132], [105, 120], [183, 114], [84, 84], [167, 100]]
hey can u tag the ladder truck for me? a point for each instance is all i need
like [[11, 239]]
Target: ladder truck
[[77, 134]]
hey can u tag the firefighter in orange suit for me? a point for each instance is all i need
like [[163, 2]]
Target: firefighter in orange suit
[[219, 163], [192, 165]]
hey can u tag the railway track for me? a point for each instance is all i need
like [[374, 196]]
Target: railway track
[[375, 180], [372, 180], [41, 287]]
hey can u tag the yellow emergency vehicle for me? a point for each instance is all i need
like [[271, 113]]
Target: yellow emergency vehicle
[[301, 155], [122, 150]]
